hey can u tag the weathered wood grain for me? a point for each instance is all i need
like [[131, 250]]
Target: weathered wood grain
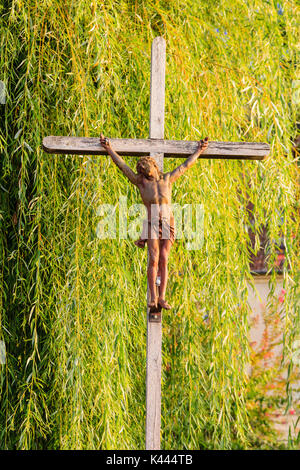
[[157, 97], [154, 330], [170, 148]]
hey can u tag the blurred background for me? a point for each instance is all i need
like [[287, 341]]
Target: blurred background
[[73, 306]]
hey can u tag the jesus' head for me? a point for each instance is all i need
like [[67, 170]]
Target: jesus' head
[[148, 167]]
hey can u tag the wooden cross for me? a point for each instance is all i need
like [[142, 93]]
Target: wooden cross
[[160, 148]]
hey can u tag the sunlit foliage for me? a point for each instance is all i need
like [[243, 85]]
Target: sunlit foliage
[[73, 306]]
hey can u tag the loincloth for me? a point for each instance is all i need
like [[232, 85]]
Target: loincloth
[[160, 230]]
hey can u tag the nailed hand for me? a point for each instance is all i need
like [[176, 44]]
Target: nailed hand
[[203, 144], [104, 142]]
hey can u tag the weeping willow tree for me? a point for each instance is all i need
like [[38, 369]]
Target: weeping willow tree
[[72, 305]]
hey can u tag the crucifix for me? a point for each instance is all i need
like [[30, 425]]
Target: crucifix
[[158, 148]]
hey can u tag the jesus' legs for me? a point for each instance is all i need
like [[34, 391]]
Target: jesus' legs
[[153, 251], [165, 246]]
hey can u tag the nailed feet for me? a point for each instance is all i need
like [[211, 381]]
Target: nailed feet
[[164, 304], [152, 304]]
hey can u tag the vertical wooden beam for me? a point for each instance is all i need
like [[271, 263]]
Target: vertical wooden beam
[[154, 330], [157, 93]]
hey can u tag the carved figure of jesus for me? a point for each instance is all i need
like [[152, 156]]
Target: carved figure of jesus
[[156, 189]]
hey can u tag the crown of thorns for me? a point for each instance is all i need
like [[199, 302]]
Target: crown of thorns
[[145, 163]]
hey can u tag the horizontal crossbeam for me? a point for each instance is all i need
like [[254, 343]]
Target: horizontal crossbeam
[[170, 148]]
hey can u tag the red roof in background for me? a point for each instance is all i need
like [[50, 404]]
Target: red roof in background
[[259, 261]]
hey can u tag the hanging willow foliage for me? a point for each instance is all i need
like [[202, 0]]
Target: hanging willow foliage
[[72, 305]]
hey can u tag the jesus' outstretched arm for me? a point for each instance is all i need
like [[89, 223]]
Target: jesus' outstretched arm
[[181, 169], [133, 177]]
